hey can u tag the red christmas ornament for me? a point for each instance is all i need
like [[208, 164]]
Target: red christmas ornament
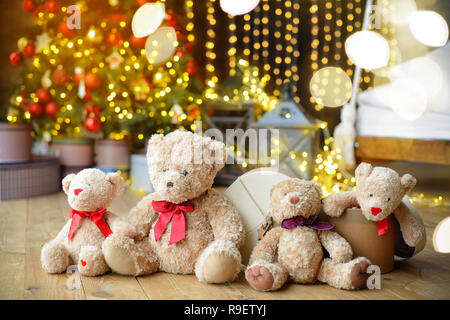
[[171, 19], [142, 2], [114, 38], [15, 58], [180, 53], [192, 67], [37, 11], [92, 80], [138, 42], [29, 51], [35, 110], [91, 108], [43, 95], [52, 109], [28, 5], [52, 6], [92, 124], [64, 29], [60, 77]]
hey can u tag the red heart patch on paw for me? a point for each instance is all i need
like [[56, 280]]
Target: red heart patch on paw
[[83, 263]]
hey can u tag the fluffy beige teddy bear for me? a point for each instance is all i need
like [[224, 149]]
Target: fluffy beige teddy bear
[[295, 204], [89, 193], [185, 226], [379, 193]]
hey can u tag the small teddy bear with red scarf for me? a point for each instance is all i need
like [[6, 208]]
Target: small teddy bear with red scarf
[[89, 194]]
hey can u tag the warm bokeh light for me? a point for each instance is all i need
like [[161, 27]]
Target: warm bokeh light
[[367, 49], [161, 44], [147, 19], [398, 11], [429, 28], [441, 236], [238, 7], [331, 87]]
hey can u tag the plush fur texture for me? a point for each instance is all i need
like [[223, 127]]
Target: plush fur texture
[[182, 168], [299, 250], [84, 249], [381, 188]]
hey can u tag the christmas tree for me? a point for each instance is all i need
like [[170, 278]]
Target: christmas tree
[[84, 74]]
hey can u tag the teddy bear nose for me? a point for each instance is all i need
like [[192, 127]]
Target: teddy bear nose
[[77, 191], [293, 200], [375, 211], [169, 184]]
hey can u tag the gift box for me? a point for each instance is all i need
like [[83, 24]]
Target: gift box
[[38, 177]]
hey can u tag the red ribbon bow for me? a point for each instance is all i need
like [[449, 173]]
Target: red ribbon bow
[[95, 216], [171, 211]]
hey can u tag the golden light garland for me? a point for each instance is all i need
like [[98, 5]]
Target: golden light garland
[[256, 35], [211, 78], [295, 76], [266, 38], [279, 66], [251, 88], [232, 39]]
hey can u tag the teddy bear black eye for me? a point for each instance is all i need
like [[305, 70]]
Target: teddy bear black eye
[[165, 170], [388, 199], [185, 173], [371, 195]]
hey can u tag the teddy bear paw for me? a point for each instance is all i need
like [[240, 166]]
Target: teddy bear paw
[[91, 261], [219, 263], [54, 257], [359, 275], [259, 277]]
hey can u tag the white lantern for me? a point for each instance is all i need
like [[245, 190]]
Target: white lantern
[[429, 28], [161, 44], [147, 19], [367, 49], [238, 7]]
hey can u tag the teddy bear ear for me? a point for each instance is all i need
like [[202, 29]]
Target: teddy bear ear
[[408, 182], [67, 181], [318, 187], [363, 170], [215, 153], [119, 183], [155, 140]]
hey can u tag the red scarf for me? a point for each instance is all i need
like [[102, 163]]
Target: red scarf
[[95, 216], [171, 211]]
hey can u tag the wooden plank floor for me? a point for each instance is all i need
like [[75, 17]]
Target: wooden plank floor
[[25, 225]]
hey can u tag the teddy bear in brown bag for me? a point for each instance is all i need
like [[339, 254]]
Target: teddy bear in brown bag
[[298, 242], [185, 226], [379, 193], [89, 193]]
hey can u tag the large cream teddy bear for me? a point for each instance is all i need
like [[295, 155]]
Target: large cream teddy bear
[[379, 193], [89, 193], [294, 250], [185, 226]]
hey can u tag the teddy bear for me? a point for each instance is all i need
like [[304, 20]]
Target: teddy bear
[[294, 250], [379, 193], [185, 226], [89, 194]]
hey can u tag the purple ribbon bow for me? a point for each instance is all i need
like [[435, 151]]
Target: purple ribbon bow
[[310, 223]]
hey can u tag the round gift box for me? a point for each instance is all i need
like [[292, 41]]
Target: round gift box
[[363, 237], [113, 154], [39, 176], [74, 152], [15, 143]]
